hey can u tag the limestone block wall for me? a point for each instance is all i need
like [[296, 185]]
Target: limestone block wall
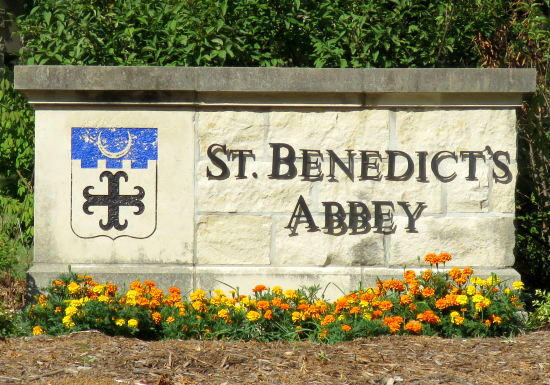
[[275, 176]]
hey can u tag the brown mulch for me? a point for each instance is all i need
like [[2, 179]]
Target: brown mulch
[[95, 359]]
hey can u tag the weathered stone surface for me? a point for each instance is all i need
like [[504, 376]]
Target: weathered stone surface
[[330, 279], [238, 129], [257, 195], [503, 195], [321, 249], [466, 196], [336, 130], [435, 130], [233, 240], [472, 241], [367, 191], [174, 213]]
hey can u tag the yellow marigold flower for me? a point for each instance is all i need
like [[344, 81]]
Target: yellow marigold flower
[[120, 322], [493, 280], [346, 327], [98, 289], [291, 294], [199, 306], [278, 290], [224, 314], [73, 287], [456, 318], [103, 298], [471, 290], [462, 299], [253, 316], [245, 301], [157, 317], [487, 322], [71, 310], [477, 281], [133, 323], [170, 319], [37, 330], [518, 285], [42, 300], [198, 295], [68, 321], [477, 298], [507, 291], [296, 316], [131, 294]]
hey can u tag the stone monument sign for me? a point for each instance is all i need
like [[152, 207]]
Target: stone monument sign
[[197, 176]]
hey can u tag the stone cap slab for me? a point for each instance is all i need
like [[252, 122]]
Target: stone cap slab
[[219, 85]]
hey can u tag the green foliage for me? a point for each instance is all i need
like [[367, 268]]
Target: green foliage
[[343, 33], [7, 321], [540, 317], [16, 170], [524, 41]]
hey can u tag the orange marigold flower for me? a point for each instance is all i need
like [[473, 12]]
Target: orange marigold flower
[[487, 322], [428, 316], [329, 318], [405, 299], [284, 306], [427, 275], [174, 290], [414, 326], [409, 276], [393, 284], [263, 305], [414, 289], [170, 319], [268, 315], [259, 288], [412, 307], [149, 283], [496, 319], [428, 292], [385, 305], [393, 323], [346, 327], [37, 330], [355, 310], [153, 304], [276, 301], [57, 309], [445, 257], [431, 258], [142, 301], [136, 285], [376, 314], [303, 306], [157, 317]]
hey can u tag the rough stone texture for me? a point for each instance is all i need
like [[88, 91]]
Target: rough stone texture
[[251, 195], [367, 191], [360, 249], [330, 279], [233, 240], [472, 241], [503, 195], [465, 195], [435, 130], [228, 79], [165, 275], [318, 129], [242, 130]]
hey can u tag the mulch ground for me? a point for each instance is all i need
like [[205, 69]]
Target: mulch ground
[[95, 359]]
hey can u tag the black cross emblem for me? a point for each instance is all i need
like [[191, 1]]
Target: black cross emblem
[[113, 200]]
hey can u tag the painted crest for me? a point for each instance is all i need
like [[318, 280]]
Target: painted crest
[[114, 182]]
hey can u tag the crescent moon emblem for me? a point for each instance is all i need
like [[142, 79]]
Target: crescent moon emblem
[[114, 155]]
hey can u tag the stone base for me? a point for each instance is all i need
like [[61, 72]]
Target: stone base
[[333, 281]]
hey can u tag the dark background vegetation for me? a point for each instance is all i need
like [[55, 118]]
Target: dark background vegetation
[[286, 33]]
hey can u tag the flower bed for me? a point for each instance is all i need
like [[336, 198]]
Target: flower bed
[[453, 303]]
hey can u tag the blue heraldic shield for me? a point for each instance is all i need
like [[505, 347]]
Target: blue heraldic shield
[[114, 182]]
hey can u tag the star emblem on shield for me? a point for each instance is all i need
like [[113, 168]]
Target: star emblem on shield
[[114, 182]]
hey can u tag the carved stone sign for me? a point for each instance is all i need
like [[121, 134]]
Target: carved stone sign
[[192, 176]]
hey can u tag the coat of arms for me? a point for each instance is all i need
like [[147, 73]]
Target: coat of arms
[[114, 182]]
